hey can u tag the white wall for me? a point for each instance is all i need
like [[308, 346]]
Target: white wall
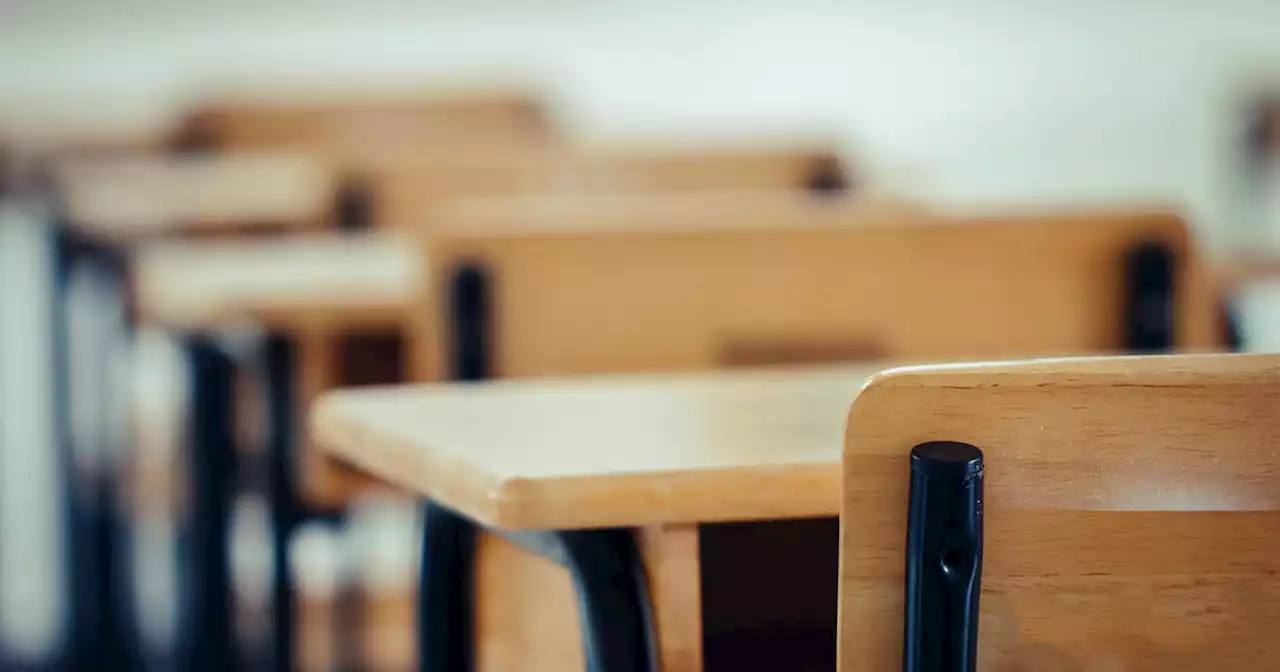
[[961, 101], [967, 101]]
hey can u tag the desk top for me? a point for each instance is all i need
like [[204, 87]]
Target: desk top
[[142, 196], [606, 451], [298, 282]]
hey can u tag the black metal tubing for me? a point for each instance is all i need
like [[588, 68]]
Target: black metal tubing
[[102, 632], [354, 206], [209, 642], [1150, 308], [278, 361], [605, 566], [608, 581], [469, 317], [944, 558], [613, 600], [445, 634]]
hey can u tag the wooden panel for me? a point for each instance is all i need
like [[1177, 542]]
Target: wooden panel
[[1129, 509], [526, 615], [672, 563], [686, 292]]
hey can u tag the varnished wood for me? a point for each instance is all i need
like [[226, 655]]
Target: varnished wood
[[673, 566], [125, 199], [794, 277], [348, 125], [612, 451], [300, 283], [415, 190], [1129, 507]]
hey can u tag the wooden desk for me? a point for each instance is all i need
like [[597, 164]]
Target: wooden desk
[[140, 197], [296, 283], [298, 293], [664, 455]]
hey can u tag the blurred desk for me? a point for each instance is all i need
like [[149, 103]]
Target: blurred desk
[[121, 200], [293, 295], [296, 283], [597, 473]]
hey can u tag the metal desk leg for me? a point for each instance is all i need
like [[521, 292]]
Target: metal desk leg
[[210, 641], [607, 575], [445, 618], [96, 322], [279, 364]]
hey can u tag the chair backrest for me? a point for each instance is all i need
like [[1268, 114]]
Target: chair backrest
[[686, 288], [411, 190], [356, 124], [1130, 509]]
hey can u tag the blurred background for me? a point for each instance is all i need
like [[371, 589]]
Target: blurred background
[[129, 128]]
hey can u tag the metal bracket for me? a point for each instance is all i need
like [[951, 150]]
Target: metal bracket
[[944, 558]]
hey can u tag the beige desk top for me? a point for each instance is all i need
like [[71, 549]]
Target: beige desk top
[[143, 196], [298, 282], [607, 451]]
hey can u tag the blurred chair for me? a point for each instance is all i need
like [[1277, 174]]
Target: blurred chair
[[343, 125], [659, 288], [1124, 518]]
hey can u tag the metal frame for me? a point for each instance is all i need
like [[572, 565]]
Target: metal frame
[[604, 565], [102, 636], [944, 558]]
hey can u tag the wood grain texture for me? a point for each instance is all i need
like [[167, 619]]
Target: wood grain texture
[[605, 452], [1130, 507], [672, 561], [312, 282], [525, 610], [571, 299], [126, 199]]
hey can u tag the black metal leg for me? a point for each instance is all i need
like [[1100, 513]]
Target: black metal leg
[[608, 579], [209, 641], [279, 364], [102, 637], [613, 600], [444, 635]]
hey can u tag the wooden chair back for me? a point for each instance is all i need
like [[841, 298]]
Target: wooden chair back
[[743, 283], [1129, 510]]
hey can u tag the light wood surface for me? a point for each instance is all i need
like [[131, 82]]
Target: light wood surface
[[145, 196], [1130, 508], [604, 452], [415, 190], [347, 125], [313, 282], [705, 288]]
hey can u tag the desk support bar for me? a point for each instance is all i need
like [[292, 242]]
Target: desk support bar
[[208, 640], [944, 558], [608, 580]]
